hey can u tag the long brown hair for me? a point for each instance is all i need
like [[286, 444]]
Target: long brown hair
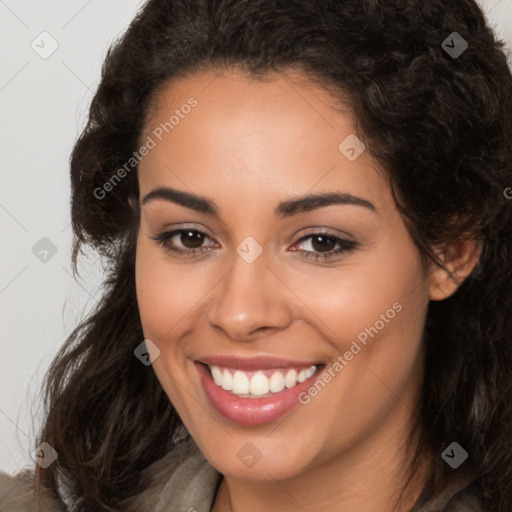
[[442, 128]]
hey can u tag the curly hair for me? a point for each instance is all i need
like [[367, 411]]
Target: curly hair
[[440, 126]]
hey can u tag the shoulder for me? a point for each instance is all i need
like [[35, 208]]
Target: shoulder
[[17, 494], [180, 481]]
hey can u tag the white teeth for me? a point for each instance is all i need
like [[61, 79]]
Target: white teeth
[[259, 384], [240, 383], [217, 375], [227, 381], [291, 378], [277, 382]]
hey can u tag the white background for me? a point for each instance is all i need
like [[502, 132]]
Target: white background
[[43, 106]]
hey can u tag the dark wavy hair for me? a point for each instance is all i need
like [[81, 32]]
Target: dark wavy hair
[[441, 127]]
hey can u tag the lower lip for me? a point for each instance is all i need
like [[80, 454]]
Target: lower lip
[[251, 411]]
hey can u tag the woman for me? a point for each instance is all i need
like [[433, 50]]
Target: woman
[[304, 210]]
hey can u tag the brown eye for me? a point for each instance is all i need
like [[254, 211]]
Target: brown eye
[[322, 247], [192, 239], [322, 243], [185, 242]]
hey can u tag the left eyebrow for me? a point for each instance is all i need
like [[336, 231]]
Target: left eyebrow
[[284, 209], [311, 202]]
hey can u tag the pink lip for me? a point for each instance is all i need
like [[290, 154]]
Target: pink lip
[[252, 411]]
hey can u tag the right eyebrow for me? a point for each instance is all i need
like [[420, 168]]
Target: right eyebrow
[[192, 201]]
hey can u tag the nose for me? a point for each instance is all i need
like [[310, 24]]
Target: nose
[[250, 300]]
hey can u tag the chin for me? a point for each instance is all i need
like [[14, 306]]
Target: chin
[[244, 461]]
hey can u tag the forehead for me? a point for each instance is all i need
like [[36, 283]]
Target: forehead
[[281, 134]]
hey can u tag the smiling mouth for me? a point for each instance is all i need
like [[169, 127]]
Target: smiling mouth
[[260, 383]]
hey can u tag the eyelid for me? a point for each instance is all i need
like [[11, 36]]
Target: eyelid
[[321, 230], [172, 231], [170, 228]]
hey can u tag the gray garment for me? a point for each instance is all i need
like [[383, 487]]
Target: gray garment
[[183, 481]]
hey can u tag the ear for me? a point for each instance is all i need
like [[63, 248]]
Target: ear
[[460, 259]]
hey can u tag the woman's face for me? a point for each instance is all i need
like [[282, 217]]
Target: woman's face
[[266, 285]]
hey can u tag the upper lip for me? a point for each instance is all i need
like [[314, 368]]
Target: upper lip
[[254, 363]]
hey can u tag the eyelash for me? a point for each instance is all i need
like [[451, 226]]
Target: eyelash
[[345, 246]]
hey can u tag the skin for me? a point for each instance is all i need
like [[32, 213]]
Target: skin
[[248, 145]]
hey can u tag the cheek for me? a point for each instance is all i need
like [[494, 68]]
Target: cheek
[[382, 291], [377, 317], [164, 295], [371, 315]]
